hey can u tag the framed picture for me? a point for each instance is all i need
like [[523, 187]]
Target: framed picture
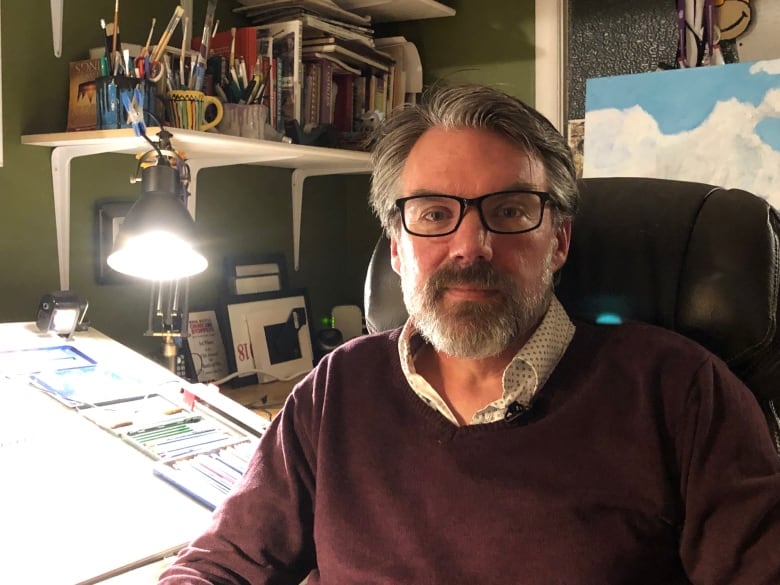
[[268, 336], [256, 273], [109, 215]]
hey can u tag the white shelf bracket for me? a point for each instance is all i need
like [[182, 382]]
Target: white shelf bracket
[[196, 165], [60, 177], [298, 178]]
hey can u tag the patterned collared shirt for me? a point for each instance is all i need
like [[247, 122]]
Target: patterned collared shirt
[[522, 378]]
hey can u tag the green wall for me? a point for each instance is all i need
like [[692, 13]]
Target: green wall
[[240, 209], [487, 41]]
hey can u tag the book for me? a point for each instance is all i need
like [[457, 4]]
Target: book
[[341, 66], [260, 10], [326, 91], [344, 102], [380, 94], [353, 54], [359, 96], [397, 89], [288, 81], [82, 97], [317, 27], [245, 46], [244, 50], [311, 100]]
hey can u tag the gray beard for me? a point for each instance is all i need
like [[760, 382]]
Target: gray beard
[[471, 329]]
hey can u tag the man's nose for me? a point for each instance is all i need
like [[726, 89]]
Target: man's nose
[[471, 240]]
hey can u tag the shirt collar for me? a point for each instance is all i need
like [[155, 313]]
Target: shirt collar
[[528, 371]]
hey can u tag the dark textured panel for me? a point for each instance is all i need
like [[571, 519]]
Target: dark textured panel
[[617, 37]]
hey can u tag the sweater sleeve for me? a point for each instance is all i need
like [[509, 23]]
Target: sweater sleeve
[[730, 482], [261, 533]]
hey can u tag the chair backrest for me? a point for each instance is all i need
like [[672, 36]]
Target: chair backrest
[[690, 257]]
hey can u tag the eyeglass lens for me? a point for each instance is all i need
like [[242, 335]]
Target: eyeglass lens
[[509, 212]]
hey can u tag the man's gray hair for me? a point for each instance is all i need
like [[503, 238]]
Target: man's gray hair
[[469, 106]]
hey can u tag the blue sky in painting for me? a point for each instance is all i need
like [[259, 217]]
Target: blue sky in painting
[[681, 99], [718, 125]]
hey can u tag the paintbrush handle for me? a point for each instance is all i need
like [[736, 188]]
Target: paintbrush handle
[[166, 36]]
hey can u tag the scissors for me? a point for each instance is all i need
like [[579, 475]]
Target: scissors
[[145, 68], [148, 69]]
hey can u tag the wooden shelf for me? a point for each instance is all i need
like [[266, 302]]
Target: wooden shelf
[[210, 147], [202, 150]]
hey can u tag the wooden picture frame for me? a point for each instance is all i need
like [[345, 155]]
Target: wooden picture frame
[[268, 336], [109, 215]]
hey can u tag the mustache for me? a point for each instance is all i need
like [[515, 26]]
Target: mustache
[[480, 274]]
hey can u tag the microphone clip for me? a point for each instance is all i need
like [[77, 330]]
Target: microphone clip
[[515, 411]]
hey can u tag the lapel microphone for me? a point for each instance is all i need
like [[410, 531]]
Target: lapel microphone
[[515, 411]]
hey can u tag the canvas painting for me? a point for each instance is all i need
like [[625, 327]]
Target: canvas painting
[[718, 125]]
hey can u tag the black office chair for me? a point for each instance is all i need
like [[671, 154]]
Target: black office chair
[[694, 258]]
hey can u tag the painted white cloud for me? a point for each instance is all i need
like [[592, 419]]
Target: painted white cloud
[[770, 67], [724, 150]]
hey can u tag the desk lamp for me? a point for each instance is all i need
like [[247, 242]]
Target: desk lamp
[[156, 242]]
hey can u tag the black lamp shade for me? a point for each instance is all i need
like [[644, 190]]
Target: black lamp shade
[[156, 238]]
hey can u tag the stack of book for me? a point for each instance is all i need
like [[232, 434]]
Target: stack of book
[[322, 15], [319, 64]]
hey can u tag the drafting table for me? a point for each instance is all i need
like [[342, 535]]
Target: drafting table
[[78, 504]]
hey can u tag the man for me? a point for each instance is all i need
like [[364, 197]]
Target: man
[[493, 440]]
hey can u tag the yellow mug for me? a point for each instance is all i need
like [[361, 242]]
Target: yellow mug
[[186, 108]]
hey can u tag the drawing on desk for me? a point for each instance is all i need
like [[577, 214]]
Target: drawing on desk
[[23, 362], [89, 386]]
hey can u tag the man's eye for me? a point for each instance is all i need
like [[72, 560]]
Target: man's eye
[[434, 215], [510, 212]]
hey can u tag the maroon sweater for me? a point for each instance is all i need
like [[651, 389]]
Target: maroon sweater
[[642, 461]]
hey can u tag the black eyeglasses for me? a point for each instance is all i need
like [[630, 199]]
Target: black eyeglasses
[[504, 212]]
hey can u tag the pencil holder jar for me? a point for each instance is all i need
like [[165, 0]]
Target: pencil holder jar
[[114, 92], [189, 109], [247, 120]]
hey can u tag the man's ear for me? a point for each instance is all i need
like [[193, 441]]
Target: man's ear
[[563, 241], [395, 261]]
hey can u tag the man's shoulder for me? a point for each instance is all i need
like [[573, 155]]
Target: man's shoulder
[[371, 341], [365, 350], [635, 337]]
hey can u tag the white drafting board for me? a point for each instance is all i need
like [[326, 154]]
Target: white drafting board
[[86, 498]]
